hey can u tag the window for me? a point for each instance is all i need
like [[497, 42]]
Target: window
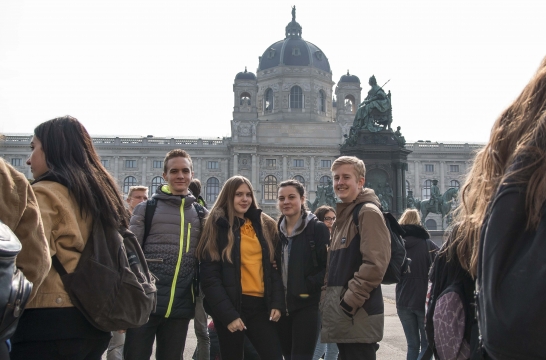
[[16, 162], [349, 104], [156, 182], [270, 188], [270, 163], [245, 99], [298, 162], [429, 168], [431, 224], [104, 163], [128, 182], [212, 189], [130, 163], [454, 168], [425, 194], [268, 101], [326, 163], [158, 164], [300, 179], [454, 184], [296, 98], [321, 101], [325, 180], [212, 165]]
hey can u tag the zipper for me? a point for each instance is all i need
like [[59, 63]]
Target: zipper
[[179, 261]]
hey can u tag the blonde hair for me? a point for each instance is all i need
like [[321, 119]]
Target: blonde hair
[[359, 167], [136, 188], [410, 217]]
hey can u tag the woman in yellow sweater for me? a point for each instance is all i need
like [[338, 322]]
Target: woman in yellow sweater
[[243, 291]]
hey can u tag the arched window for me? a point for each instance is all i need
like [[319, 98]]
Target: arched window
[[454, 184], [156, 182], [270, 188], [425, 194], [212, 190], [349, 103], [296, 98], [324, 180], [127, 183], [321, 101], [268, 101], [431, 224], [300, 179], [408, 188], [245, 99]]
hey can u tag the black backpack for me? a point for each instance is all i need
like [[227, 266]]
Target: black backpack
[[111, 285], [399, 264], [15, 288]]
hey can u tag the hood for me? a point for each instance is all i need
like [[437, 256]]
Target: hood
[[308, 217], [415, 234], [163, 193], [366, 195]]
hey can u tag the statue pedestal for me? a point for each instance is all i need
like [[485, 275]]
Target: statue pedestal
[[385, 158]]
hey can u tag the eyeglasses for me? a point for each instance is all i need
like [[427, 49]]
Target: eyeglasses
[[330, 218]]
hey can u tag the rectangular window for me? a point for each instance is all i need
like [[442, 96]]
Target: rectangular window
[[326, 163], [158, 164], [298, 162], [130, 163], [270, 162], [454, 168], [16, 162], [429, 168], [212, 165], [104, 163]]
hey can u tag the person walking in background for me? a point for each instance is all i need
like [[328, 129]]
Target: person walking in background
[[327, 215], [303, 263], [195, 188], [411, 291], [243, 291], [73, 189], [136, 195]]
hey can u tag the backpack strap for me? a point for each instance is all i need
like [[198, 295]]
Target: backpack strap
[[356, 211], [151, 205], [58, 266], [200, 212]]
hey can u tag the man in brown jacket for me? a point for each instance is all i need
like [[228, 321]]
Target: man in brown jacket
[[352, 302]]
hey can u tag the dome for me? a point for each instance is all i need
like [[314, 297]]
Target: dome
[[245, 75], [294, 51], [349, 78]]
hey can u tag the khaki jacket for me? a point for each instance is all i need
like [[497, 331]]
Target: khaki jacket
[[66, 232], [352, 302], [19, 211]]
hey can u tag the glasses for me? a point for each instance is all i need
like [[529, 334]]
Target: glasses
[[330, 218]]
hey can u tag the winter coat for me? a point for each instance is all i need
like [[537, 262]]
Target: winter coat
[[301, 278], [352, 302], [221, 280], [19, 211], [411, 291], [173, 237]]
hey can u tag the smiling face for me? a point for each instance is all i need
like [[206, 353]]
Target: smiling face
[[346, 184], [178, 175], [242, 200], [37, 159], [289, 201]]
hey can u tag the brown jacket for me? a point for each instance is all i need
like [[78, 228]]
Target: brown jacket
[[352, 302], [19, 211], [66, 232]]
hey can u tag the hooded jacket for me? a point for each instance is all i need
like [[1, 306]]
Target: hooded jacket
[[173, 238], [411, 291], [221, 280], [301, 278], [352, 302]]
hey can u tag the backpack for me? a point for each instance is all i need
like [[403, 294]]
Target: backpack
[[399, 263], [15, 288], [111, 285]]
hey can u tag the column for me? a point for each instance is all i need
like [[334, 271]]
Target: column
[[417, 186], [116, 166], [225, 168], [197, 171], [404, 193], [235, 164], [312, 187], [254, 172], [144, 160], [399, 188], [284, 167], [442, 170]]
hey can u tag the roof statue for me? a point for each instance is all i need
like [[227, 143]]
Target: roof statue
[[294, 13]]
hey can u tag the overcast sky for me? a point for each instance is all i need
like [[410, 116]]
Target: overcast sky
[[166, 68]]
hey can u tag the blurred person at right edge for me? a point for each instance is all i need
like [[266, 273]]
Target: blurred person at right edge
[[327, 215], [411, 291], [508, 195]]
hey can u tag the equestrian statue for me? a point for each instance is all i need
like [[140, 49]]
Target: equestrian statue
[[438, 205]]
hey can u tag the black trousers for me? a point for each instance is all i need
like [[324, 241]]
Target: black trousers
[[357, 351], [260, 331], [298, 333], [169, 333], [66, 349]]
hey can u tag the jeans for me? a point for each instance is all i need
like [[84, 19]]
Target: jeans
[[298, 333], [115, 348], [413, 322], [201, 330], [329, 350]]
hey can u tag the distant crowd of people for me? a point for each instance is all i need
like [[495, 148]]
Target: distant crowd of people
[[304, 286]]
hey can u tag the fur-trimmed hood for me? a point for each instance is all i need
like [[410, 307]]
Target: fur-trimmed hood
[[414, 234]]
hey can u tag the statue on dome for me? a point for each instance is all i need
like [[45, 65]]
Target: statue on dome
[[294, 13], [375, 112]]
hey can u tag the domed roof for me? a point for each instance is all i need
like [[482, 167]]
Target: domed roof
[[245, 75], [349, 78], [293, 50]]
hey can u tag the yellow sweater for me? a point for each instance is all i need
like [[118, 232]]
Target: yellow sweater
[[252, 271]]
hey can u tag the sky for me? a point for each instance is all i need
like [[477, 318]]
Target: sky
[[166, 68]]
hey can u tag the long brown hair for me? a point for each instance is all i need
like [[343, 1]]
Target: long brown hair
[[515, 154], [223, 207]]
